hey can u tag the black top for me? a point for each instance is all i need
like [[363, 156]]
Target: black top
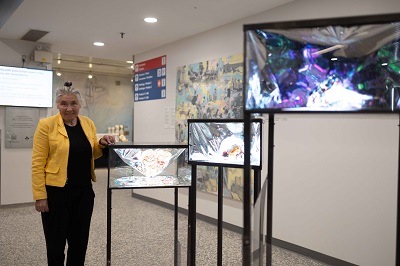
[[80, 156]]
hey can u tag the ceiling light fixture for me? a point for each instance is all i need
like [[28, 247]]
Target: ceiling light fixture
[[58, 73], [90, 76], [98, 43], [150, 20], [129, 62], [90, 65]]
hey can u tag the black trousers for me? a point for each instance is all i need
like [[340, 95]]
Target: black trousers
[[68, 221]]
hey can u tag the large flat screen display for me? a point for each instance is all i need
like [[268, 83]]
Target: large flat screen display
[[330, 65], [26, 87]]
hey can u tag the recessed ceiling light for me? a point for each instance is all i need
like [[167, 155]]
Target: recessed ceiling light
[[98, 43], [129, 62], [150, 20]]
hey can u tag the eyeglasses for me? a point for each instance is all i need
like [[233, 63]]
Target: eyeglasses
[[67, 105]]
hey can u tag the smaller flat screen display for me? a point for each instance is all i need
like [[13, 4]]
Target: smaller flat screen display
[[212, 142], [26, 87], [329, 65]]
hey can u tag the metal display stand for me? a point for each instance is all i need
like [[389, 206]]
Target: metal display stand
[[221, 166], [110, 188], [221, 205], [261, 83], [270, 190]]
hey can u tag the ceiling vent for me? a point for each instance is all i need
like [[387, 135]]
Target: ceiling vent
[[34, 35]]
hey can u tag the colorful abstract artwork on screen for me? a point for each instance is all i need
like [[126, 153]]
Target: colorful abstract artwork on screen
[[332, 68]]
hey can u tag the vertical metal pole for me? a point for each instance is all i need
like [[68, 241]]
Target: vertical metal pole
[[220, 213], [109, 194], [271, 125], [398, 204], [257, 184], [246, 241], [176, 228], [191, 253], [261, 228], [256, 196], [0, 166]]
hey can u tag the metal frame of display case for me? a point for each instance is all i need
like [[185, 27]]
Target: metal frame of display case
[[346, 21], [221, 166], [191, 229]]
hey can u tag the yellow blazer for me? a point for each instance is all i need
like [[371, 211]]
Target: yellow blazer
[[51, 150]]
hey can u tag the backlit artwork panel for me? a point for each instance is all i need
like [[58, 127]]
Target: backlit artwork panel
[[338, 65]]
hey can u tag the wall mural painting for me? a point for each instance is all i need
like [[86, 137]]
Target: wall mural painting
[[211, 89], [107, 100]]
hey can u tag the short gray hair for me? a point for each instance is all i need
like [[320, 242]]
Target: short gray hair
[[68, 90]]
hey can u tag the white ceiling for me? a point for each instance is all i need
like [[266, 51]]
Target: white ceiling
[[74, 25]]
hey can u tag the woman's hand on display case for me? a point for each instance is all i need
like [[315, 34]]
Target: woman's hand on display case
[[107, 140], [42, 205]]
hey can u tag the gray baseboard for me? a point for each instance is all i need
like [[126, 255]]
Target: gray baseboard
[[276, 242]]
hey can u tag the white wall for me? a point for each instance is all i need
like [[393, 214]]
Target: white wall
[[15, 182], [338, 199], [335, 185]]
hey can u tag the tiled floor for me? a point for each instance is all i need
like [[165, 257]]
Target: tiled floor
[[142, 235]]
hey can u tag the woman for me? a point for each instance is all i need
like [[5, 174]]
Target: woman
[[64, 148]]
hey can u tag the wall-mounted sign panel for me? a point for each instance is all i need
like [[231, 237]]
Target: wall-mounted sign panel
[[150, 79], [20, 127]]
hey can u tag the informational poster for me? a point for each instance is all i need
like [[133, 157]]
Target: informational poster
[[21, 124], [169, 117], [150, 79]]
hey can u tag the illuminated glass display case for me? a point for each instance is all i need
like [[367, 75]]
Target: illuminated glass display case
[[133, 165], [151, 165], [220, 142]]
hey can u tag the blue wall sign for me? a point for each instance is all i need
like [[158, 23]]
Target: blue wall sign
[[150, 79]]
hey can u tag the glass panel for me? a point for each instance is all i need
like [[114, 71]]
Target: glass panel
[[222, 142], [148, 167], [307, 67]]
